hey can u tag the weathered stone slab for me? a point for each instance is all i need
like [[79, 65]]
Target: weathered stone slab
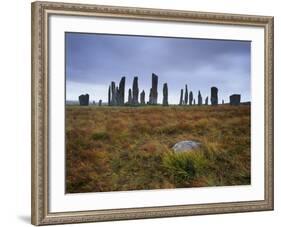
[[84, 100], [130, 99], [153, 96], [181, 98], [135, 100], [186, 95], [199, 98], [122, 91], [207, 100], [235, 99], [113, 101], [214, 96], [190, 98], [142, 97], [165, 94]]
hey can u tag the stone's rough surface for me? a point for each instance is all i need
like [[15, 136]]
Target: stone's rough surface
[[199, 98], [190, 97], [214, 96], [153, 96], [122, 91], [142, 97], [185, 146], [186, 95], [135, 100], [165, 95], [130, 99], [84, 100], [109, 95], [100, 102], [235, 99], [207, 100], [181, 98]]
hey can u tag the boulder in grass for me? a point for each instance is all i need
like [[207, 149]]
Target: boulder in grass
[[185, 146]]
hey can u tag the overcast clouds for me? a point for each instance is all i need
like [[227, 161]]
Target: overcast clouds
[[93, 61]]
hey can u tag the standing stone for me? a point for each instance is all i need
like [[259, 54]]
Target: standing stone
[[84, 100], [165, 95], [181, 98], [150, 97], [194, 102], [207, 100], [222, 102], [153, 96], [190, 98], [130, 100], [100, 102], [118, 98], [135, 91], [214, 96], [113, 101], [235, 99], [186, 95], [109, 95], [94, 103], [122, 90], [199, 99], [142, 97]]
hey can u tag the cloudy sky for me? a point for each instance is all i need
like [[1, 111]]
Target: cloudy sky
[[94, 60]]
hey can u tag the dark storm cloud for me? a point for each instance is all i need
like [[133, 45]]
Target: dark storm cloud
[[99, 59]]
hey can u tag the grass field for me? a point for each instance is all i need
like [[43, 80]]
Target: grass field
[[129, 148]]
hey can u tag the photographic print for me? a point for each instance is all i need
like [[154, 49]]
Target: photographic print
[[147, 112]]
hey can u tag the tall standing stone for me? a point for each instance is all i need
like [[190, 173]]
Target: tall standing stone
[[207, 100], [199, 99], [165, 95], [118, 98], [130, 100], [190, 98], [186, 95], [181, 98], [153, 96], [235, 99], [109, 95], [150, 97], [142, 97], [214, 96], [113, 101], [100, 102], [135, 91], [222, 102], [84, 100], [122, 90]]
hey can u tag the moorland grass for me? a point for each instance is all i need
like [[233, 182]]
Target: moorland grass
[[129, 148]]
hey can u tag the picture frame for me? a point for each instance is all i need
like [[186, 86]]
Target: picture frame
[[41, 68]]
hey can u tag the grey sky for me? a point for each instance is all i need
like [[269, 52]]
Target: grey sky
[[94, 60]]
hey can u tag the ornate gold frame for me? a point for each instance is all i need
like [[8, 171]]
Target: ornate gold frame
[[40, 14]]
